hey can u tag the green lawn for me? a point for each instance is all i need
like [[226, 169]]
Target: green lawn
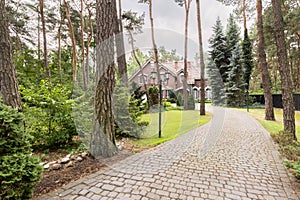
[[174, 124], [274, 126]]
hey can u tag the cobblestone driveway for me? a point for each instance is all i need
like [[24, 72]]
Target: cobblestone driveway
[[232, 157]]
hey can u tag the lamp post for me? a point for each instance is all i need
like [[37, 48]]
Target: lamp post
[[166, 78], [247, 97]]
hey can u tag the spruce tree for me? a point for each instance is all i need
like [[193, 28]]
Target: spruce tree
[[232, 36], [216, 83], [234, 81], [218, 52], [247, 59]]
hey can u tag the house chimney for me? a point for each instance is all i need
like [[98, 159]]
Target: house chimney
[[176, 65]]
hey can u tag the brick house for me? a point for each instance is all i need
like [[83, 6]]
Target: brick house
[[171, 74]]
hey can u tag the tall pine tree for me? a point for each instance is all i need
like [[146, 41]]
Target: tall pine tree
[[234, 81], [232, 36], [218, 52], [247, 59]]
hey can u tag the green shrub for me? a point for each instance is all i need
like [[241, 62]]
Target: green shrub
[[191, 102], [153, 96], [19, 170], [171, 100], [166, 104], [48, 114], [290, 148], [179, 101], [128, 113]]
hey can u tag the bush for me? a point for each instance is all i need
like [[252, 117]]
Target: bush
[[166, 104], [48, 114], [191, 102], [19, 170], [153, 96], [127, 113], [179, 101], [291, 150], [171, 100]]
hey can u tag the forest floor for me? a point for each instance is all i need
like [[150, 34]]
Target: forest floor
[[54, 179]]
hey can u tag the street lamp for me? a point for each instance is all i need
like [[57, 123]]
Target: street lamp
[[247, 97], [166, 78]]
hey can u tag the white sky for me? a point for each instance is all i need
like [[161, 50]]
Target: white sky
[[169, 24]]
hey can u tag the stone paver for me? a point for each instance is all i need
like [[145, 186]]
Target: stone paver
[[232, 157]]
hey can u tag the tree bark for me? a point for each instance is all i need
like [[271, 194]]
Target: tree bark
[[202, 65], [121, 57], [82, 46], [48, 73], [59, 43], [8, 79], [154, 43], [72, 40], [284, 70], [244, 15], [140, 66], [89, 40], [265, 77], [103, 136], [187, 4], [39, 33]]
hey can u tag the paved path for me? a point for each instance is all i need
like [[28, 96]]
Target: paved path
[[232, 157]]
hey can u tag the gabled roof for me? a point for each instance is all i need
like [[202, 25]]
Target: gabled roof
[[193, 71], [137, 71]]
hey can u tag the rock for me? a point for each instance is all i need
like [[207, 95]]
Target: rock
[[84, 154], [120, 147], [65, 160], [47, 166], [79, 159], [69, 164], [56, 166], [68, 156], [52, 162]]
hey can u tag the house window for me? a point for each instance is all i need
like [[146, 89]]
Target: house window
[[195, 94], [181, 77], [168, 94], [141, 79]]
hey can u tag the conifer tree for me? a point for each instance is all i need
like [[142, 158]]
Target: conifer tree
[[247, 59], [234, 81], [232, 36], [218, 52]]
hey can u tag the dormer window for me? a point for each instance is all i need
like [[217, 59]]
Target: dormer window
[[152, 64], [181, 77]]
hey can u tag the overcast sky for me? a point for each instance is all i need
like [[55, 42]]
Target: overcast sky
[[169, 24]]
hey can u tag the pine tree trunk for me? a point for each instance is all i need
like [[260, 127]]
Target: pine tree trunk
[[154, 43], [59, 43], [244, 15], [82, 46], [265, 77], [89, 40], [103, 136], [48, 73], [121, 57], [39, 34], [187, 4], [72, 40], [202, 65], [284, 70], [8, 81], [140, 66]]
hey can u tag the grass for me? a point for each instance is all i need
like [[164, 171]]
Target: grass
[[273, 127], [174, 124]]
